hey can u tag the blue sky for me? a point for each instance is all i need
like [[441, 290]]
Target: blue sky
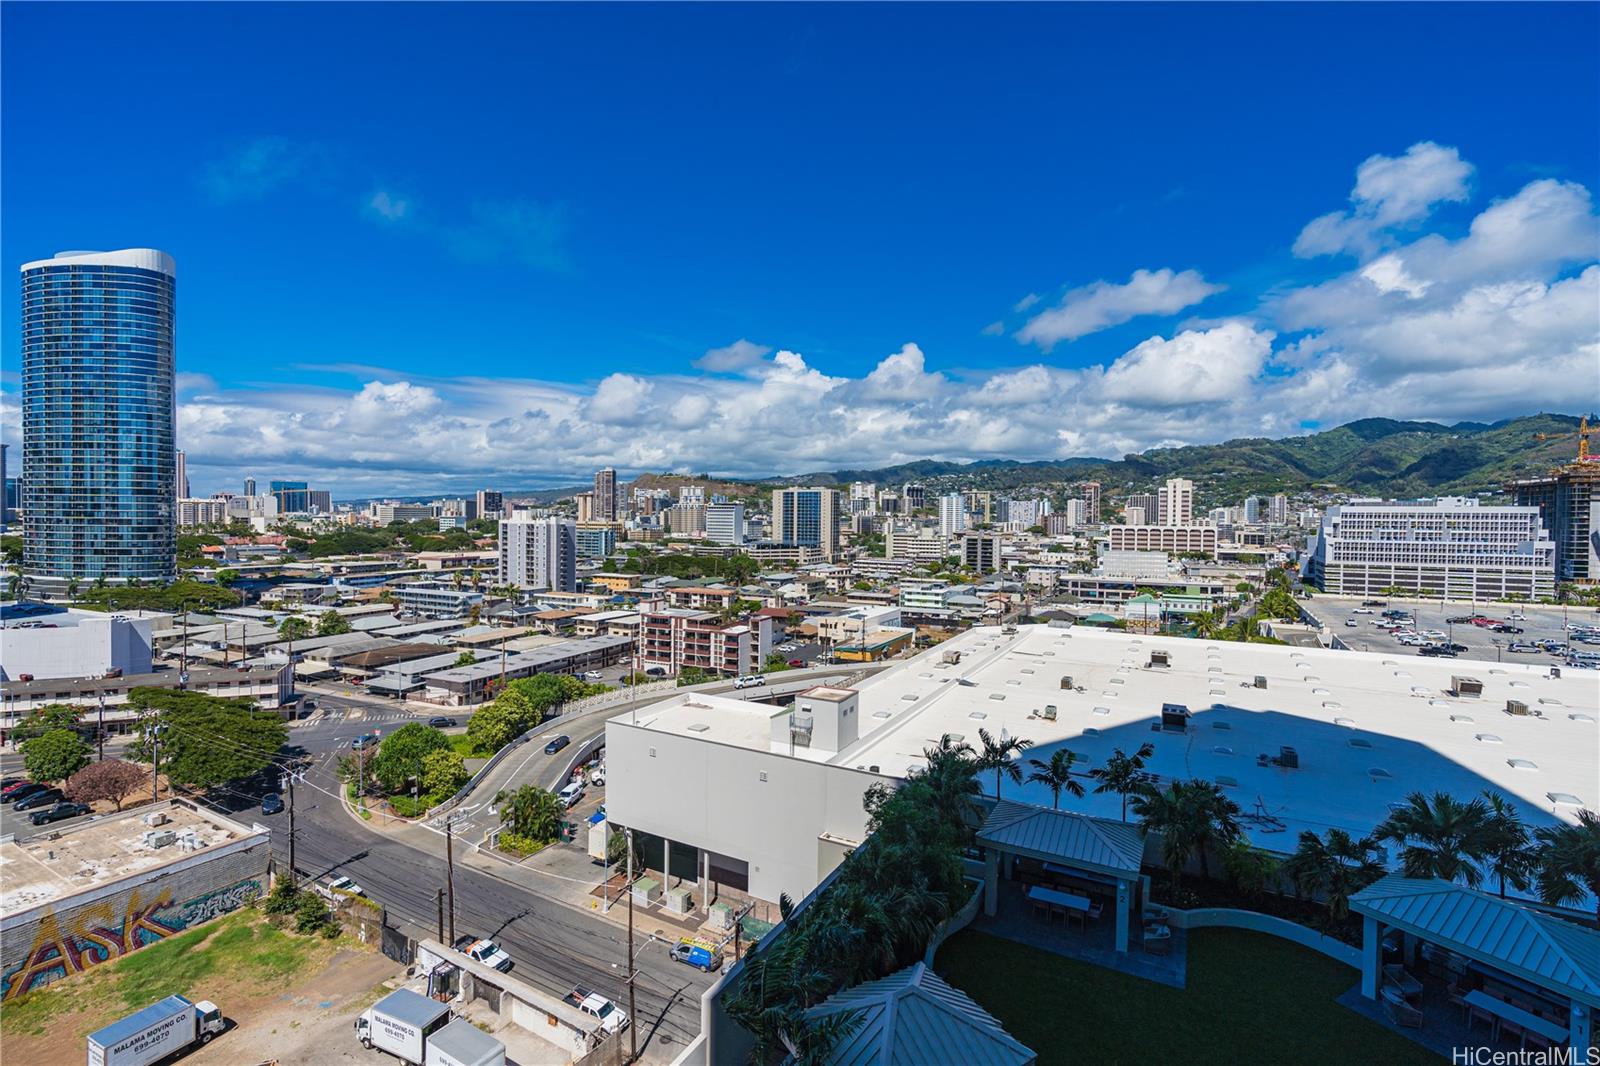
[[425, 246]]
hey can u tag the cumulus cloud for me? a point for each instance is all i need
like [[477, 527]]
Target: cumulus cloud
[[1104, 304], [1390, 192], [1196, 366], [253, 168], [618, 400], [740, 355], [391, 207]]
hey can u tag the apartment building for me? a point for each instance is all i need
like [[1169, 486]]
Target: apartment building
[[1175, 503], [539, 552], [1451, 547], [808, 518], [980, 552], [921, 544], [1178, 540], [702, 598], [952, 514], [212, 512], [686, 520], [673, 638], [1570, 509], [595, 540], [606, 503]]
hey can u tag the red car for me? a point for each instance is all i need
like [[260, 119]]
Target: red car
[[797, 662]]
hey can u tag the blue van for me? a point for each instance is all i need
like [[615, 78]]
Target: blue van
[[700, 958]]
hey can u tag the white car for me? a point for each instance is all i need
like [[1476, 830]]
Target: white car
[[344, 884], [749, 681], [592, 675], [1362, 610]]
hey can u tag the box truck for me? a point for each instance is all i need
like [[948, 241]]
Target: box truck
[[159, 1030], [463, 1044], [400, 1023]]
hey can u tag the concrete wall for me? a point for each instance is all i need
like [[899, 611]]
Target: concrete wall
[[1255, 922], [541, 1013], [72, 934], [88, 649], [711, 795]]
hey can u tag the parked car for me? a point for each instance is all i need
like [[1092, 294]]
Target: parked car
[[797, 662], [1521, 648], [485, 951], [592, 675], [59, 812], [1362, 610], [365, 741], [1351, 623], [7, 782], [271, 803], [656, 671], [690, 954], [33, 801], [344, 884], [557, 744], [570, 794], [1507, 629], [439, 721], [19, 790], [749, 681]]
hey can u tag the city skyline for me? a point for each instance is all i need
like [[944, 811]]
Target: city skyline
[[528, 320]]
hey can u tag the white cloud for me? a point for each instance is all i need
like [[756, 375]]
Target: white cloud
[[1388, 274], [1390, 192], [1104, 304], [389, 206], [1026, 302], [740, 355], [618, 400], [994, 329], [1197, 366], [255, 167]]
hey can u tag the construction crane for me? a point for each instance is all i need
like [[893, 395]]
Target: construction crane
[[1582, 433]]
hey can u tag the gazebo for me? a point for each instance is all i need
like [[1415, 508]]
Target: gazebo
[[1508, 960], [1093, 851]]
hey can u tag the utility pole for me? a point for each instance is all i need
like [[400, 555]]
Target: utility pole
[[102, 738], [155, 761], [183, 652], [438, 898], [633, 1010], [290, 776], [450, 875]]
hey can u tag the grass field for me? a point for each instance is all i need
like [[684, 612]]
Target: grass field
[[241, 949], [1250, 998]]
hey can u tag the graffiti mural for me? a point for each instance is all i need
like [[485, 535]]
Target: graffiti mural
[[98, 933]]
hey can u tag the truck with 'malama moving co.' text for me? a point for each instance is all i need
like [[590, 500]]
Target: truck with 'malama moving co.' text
[[159, 1030]]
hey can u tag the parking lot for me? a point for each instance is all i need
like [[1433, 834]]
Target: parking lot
[[1538, 623]]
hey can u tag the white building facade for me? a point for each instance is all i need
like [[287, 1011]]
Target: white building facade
[[539, 552]]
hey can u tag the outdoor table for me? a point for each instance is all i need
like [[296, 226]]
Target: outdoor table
[[1500, 1008], [1058, 899]]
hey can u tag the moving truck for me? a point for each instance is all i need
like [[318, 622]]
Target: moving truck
[[401, 1022], [463, 1044], [159, 1030]]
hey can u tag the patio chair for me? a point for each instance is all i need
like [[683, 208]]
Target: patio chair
[[1041, 909], [1158, 945], [1457, 998], [1398, 1010]]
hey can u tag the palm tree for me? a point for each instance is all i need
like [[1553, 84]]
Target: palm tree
[[1510, 859], [1056, 775], [1123, 773], [1569, 861], [1251, 869], [952, 776], [998, 755], [1192, 817], [1335, 867], [531, 812], [1440, 837]]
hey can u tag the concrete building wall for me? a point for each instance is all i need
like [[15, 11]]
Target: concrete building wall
[[713, 797], [72, 934], [88, 649]]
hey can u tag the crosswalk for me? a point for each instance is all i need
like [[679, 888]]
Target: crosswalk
[[326, 715]]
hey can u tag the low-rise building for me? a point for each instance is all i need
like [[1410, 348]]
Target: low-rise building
[[1175, 539], [54, 643], [468, 685], [674, 638]]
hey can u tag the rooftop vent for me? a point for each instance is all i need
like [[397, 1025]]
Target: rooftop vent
[[1563, 799], [1066, 681], [1102, 710], [1487, 738], [1261, 681], [978, 715], [1378, 773], [1222, 749], [1221, 725], [1581, 717], [699, 727], [1517, 707], [1360, 742], [1466, 686], [1522, 764], [1348, 723], [1227, 782], [1091, 731], [1174, 717], [1161, 658], [1467, 718], [880, 714]]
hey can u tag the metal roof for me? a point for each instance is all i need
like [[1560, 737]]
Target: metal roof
[[414, 1008], [465, 1042], [1079, 840], [1555, 954], [913, 1018]]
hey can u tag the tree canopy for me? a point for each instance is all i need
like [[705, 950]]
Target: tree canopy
[[195, 595], [206, 740], [55, 756], [113, 779], [332, 623], [402, 753], [50, 717]]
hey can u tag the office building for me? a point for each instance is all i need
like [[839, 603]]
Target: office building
[[952, 514], [1177, 540], [182, 476], [1175, 503], [1148, 506], [5, 490], [539, 552], [249, 486], [889, 502], [490, 503], [914, 497], [607, 504], [387, 514], [1569, 506], [725, 523], [918, 543], [1450, 547], [1278, 510], [319, 501], [980, 505], [595, 541], [807, 518], [980, 552], [98, 413], [1251, 512], [294, 497]]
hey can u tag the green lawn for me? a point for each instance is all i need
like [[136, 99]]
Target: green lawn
[[1251, 998], [240, 949]]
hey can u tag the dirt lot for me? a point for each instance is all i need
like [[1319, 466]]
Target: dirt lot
[[271, 986]]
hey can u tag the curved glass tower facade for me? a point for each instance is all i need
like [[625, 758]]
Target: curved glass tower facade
[[98, 414]]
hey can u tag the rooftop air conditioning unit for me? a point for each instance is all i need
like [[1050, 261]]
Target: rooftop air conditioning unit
[[1516, 707], [1466, 686], [1174, 718], [1288, 758], [155, 818], [951, 657], [158, 838], [1160, 658], [1066, 682], [1261, 681]]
